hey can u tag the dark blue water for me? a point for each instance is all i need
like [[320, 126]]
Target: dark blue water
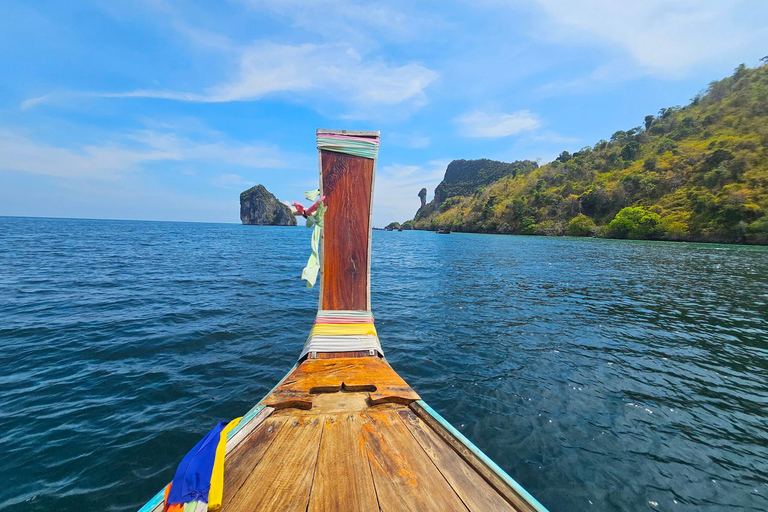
[[602, 375]]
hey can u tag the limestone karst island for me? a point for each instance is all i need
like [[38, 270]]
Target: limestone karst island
[[259, 207]]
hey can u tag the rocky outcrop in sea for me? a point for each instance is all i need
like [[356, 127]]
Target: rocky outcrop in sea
[[260, 207], [423, 197]]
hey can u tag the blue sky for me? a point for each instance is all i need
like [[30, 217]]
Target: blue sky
[[166, 110]]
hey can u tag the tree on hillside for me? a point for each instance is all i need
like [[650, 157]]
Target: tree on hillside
[[580, 225], [635, 222], [618, 135], [649, 121], [631, 151]]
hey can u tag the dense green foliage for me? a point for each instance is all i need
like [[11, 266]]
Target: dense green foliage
[[635, 222], [698, 172], [580, 225]]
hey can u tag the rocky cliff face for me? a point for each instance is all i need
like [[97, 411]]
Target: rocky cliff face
[[464, 177], [259, 207]]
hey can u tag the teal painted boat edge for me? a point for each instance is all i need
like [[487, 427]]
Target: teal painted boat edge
[[519, 489], [154, 502], [157, 499]]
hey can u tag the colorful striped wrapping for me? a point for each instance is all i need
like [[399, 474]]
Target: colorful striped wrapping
[[345, 313], [365, 147], [342, 331], [341, 344], [342, 320]]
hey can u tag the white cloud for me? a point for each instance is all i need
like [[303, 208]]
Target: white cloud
[[254, 155], [21, 154], [204, 39], [663, 37], [397, 188], [495, 125], [31, 102], [365, 23], [127, 153], [334, 71]]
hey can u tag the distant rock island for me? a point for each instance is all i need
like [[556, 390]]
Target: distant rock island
[[259, 207]]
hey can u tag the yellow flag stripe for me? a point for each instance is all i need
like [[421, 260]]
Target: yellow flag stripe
[[216, 494], [343, 330]]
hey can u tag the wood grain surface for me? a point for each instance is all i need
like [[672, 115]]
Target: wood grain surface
[[346, 455], [463, 478], [405, 477], [282, 480], [347, 186], [343, 477], [370, 374], [238, 465]]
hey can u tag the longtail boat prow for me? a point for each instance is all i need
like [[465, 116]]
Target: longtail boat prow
[[342, 431]]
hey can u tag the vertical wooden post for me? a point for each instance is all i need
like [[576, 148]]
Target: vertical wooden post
[[347, 182]]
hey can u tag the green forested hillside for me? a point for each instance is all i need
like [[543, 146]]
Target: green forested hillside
[[698, 172], [464, 177]]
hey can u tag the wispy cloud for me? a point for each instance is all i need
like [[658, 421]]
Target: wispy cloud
[[333, 71], [126, 153], [496, 124], [204, 39], [664, 37], [22, 154], [252, 155], [31, 102], [346, 66], [364, 23]]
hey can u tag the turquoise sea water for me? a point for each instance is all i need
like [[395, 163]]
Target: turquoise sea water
[[602, 375]]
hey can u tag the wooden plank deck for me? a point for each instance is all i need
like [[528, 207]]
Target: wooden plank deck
[[345, 454]]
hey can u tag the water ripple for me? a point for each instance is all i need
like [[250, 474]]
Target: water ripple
[[602, 375]]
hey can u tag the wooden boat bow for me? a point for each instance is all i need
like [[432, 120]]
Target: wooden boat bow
[[342, 431]]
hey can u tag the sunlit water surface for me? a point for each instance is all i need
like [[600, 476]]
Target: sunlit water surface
[[602, 375]]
